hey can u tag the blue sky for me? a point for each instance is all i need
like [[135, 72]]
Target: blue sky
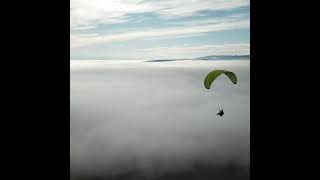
[[156, 29]]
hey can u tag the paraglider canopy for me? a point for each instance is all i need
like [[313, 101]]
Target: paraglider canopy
[[214, 74]]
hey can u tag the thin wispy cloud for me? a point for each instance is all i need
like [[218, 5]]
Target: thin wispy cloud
[[216, 20], [84, 28], [77, 41], [176, 37], [182, 8], [99, 26], [84, 12]]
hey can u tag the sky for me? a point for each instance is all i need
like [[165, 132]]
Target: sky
[[154, 29], [155, 117]]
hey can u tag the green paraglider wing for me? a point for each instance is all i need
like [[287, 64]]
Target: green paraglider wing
[[214, 74]]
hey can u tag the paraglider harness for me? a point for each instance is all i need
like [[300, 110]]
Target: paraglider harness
[[220, 113]]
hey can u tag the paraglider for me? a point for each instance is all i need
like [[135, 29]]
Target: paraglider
[[220, 113], [213, 75]]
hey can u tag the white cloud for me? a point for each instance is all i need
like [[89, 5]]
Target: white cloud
[[216, 20], [83, 28], [155, 117], [182, 8], [85, 13], [91, 12], [176, 37], [79, 40]]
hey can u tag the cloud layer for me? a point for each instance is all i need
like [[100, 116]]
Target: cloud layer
[[158, 117]]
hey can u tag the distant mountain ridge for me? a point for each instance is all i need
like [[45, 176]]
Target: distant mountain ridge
[[211, 57], [224, 57]]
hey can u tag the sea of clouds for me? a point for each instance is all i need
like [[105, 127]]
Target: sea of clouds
[[154, 118]]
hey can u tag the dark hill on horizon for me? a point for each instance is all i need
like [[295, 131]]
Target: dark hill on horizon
[[211, 57]]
